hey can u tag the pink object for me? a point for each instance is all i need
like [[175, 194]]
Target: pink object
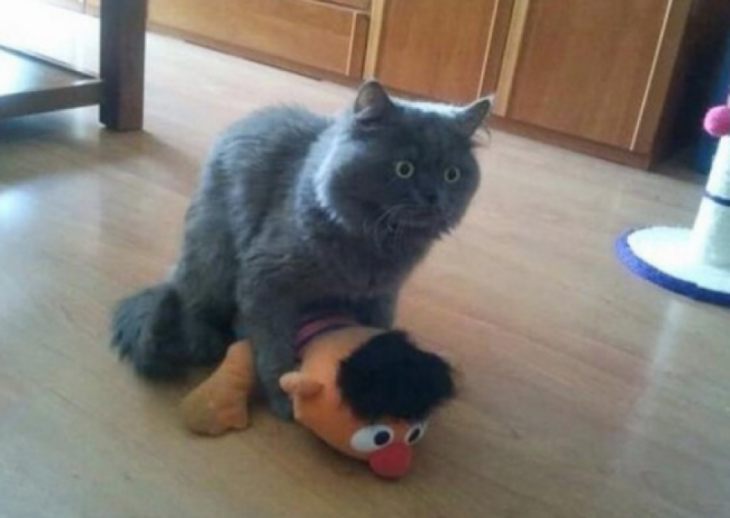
[[392, 461], [717, 121]]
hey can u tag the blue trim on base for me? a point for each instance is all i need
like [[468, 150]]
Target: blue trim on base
[[649, 272], [717, 199]]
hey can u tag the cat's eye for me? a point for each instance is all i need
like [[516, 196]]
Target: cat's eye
[[452, 174], [404, 169]]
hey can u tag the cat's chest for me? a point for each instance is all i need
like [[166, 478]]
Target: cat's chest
[[354, 272]]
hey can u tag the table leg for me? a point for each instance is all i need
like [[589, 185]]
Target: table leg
[[123, 24]]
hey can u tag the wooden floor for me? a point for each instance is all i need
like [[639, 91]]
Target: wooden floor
[[585, 391]]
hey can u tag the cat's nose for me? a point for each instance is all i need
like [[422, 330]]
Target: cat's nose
[[431, 198]]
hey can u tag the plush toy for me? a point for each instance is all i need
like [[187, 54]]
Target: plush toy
[[219, 404], [366, 392]]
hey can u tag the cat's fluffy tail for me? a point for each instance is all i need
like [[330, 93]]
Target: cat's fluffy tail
[[147, 329], [156, 331]]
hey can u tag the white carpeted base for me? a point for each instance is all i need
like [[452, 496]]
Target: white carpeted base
[[667, 249]]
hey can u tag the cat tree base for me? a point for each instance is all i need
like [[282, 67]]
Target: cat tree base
[[662, 255]]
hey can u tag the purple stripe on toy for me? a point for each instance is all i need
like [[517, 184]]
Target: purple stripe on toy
[[316, 324], [652, 274], [718, 199]]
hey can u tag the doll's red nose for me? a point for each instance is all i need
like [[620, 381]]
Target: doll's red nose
[[392, 461]]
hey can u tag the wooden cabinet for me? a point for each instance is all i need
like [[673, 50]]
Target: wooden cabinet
[[311, 36], [323, 36], [589, 74], [445, 50], [597, 70]]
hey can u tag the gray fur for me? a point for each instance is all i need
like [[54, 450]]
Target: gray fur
[[295, 210]]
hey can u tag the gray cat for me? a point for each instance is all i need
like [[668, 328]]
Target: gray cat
[[296, 211]]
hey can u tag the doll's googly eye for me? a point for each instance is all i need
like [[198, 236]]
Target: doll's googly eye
[[416, 432], [371, 438], [404, 169]]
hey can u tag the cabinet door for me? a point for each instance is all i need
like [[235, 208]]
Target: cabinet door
[[586, 67], [436, 48]]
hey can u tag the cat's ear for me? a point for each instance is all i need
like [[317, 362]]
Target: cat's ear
[[472, 116], [372, 102]]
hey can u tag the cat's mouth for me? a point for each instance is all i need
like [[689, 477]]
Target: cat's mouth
[[410, 223], [397, 219], [416, 219]]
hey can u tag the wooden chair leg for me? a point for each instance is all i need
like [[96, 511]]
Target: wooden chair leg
[[123, 24]]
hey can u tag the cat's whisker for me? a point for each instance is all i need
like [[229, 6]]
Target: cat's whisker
[[384, 222], [399, 230], [400, 236], [367, 228], [376, 224], [384, 227]]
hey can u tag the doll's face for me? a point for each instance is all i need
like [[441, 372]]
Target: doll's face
[[386, 444], [349, 393]]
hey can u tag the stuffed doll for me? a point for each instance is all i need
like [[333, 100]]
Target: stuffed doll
[[366, 392]]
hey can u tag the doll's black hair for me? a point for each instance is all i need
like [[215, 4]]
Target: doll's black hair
[[390, 376]]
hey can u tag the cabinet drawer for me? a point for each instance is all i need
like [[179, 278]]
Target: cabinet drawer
[[362, 5], [320, 35]]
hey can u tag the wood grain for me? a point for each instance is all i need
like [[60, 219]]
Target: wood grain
[[360, 5], [511, 56], [74, 95], [496, 45], [310, 33], [375, 32], [27, 72], [433, 48], [122, 65], [584, 391], [662, 72], [584, 67], [589, 147], [358, 43]]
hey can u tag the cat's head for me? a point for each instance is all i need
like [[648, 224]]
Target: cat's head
[[402, 166]]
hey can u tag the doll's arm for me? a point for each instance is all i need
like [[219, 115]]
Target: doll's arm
[[220, 403]]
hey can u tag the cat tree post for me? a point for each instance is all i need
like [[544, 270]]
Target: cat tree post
[[693, 262]]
